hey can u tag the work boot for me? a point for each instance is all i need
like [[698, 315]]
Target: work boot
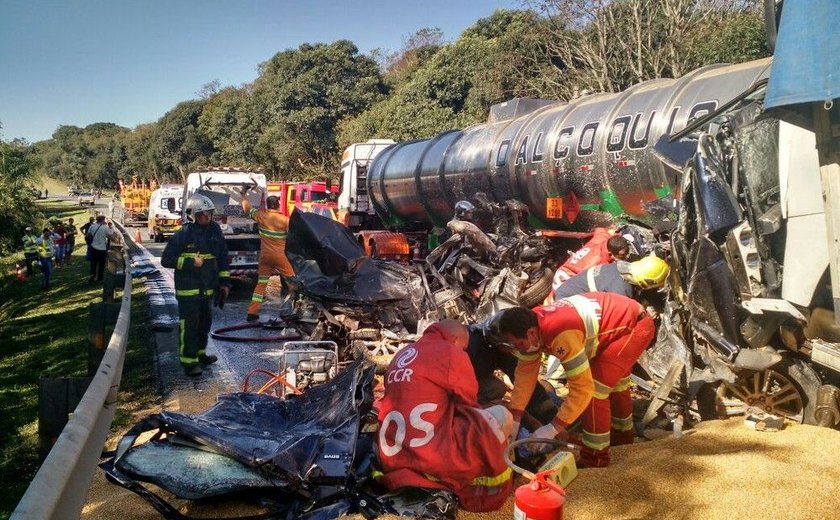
[[206, 360], [619, 438], [252, 317], [193, 371]]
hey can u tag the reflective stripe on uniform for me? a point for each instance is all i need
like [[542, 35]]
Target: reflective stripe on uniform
[[224, 274], [186, 361], [257, 297], [622, 424], [596, 441], [590, 313], [577, 364], [521, 356], [602, 391], [179, 264], [623, 384], [267, 233], [262, 279], [29, 245], [251, 213], [496, 481], [590, 279], [193, 292]]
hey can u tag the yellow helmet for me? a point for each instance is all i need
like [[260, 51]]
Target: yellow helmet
[[649, 272]]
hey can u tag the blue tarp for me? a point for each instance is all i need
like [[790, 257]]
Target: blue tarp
[[806, 67]]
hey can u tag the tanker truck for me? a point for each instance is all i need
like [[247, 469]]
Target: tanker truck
[[732, 193]]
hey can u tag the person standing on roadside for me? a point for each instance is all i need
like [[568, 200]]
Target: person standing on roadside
[[46, 250], [199, 255], [30, 250], [61, 242], [97, 238], [70, 240], [114, 236], [84, 229]]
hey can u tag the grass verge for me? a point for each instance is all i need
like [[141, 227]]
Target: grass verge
[[44, 334]]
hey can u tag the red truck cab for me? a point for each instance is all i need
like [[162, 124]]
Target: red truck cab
[[305, 196]]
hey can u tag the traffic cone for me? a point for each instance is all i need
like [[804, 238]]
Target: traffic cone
[[137, 237]]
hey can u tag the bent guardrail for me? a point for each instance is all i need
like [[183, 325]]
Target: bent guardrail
[[62, 482]]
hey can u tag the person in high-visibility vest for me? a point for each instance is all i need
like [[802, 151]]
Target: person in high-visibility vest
[[30, 250], [274, 227], [199, 255], [597, 337], [46, 246]]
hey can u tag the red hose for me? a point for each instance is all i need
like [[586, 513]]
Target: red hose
[[220, 334], [275, 378]]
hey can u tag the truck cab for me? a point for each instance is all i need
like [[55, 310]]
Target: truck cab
[[223, 186], [354, 208], [165, 211], [303, 195]]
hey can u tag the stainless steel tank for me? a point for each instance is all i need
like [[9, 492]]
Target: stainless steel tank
[[575, 164]]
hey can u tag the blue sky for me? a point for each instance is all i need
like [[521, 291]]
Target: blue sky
[[78, 62]]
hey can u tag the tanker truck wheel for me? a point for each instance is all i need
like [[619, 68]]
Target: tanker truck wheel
[[537, 289]]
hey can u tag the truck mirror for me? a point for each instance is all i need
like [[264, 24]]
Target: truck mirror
[[170, 204]]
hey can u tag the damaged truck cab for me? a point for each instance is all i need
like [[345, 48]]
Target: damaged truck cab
[[750, 282]]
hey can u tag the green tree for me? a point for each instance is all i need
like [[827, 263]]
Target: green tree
[[179, 145], [456, 85], [609, 45], [229, 122], [17, 206], [141, 157], [300, 97]]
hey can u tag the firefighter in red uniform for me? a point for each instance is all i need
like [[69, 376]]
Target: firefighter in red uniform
[[274, 226], [604, 247], [432, 433], [597, 337]]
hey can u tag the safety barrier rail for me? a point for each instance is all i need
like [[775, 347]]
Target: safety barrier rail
[[61, 484]]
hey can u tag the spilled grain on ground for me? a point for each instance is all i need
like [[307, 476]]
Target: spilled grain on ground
[[719, 470]]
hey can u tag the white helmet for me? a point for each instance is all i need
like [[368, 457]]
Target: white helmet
[[199, 204], [464, 210]]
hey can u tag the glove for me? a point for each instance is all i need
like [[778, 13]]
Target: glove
[[547, 431], [221, 296]]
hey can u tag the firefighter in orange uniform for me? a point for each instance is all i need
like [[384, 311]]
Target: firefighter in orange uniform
[[274, 227], [597, 337], [432, 433]]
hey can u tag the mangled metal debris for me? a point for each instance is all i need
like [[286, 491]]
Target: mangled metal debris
[[304, 457]]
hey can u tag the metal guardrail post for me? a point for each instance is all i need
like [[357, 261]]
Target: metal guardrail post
[[59, 488]]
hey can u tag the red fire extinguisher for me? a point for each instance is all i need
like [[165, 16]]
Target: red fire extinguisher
[[539, 499], [20, 273]]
